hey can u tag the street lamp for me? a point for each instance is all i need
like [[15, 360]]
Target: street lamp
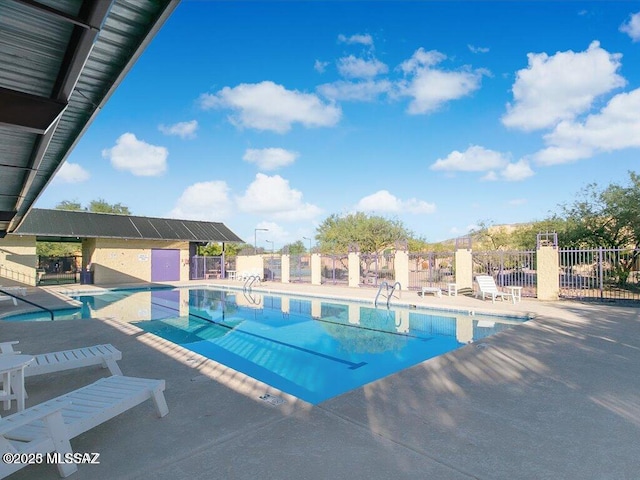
[[271, 242], [255, 238], [307, 238]]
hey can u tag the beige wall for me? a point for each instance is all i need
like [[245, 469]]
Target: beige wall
[[547, 269], [250, 264], [316, 269], [122, 261], [464, 269], [401, 267], [18, 259]]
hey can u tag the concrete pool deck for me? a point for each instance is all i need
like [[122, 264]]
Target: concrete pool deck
[[555, 398]]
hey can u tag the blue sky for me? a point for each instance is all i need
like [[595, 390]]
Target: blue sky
[[440, 114]]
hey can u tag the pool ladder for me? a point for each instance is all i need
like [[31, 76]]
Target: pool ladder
[[248, 283], [388, 292]]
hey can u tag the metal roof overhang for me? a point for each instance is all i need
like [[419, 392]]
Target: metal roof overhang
[[60, 61]]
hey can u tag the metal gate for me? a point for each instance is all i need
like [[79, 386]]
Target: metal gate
[[273, 268], [376, 268], [335, 269], [508, 268], [206, 267], [601, 274], [300, 268], [431, 269]]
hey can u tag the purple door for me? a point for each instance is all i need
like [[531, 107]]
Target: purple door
[[165, 265]]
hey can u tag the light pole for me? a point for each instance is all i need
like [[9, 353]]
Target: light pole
[[307, 238], [255, 238], [271, 242]]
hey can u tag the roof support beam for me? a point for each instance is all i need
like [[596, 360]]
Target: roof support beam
[[58, 14], [28, 112]]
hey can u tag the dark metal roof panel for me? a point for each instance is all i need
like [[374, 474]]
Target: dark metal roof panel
[[64, 223]]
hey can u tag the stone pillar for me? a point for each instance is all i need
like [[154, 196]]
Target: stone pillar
[[316, 269], [354, 269], [547, 271], [401, 267], [464, 269], [285, 268]]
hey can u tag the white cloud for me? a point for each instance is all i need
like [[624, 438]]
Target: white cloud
[[383, 201], [364, 91], [272, 195], [475, 49], [204, 201], [479, 159], [517, 202], [514, 172], [358, 39], [319, 66], [136, 156], [268, 106], [561, 86], [71, 173], [183, 130], [473, 159], [430, 88], [270, 158], [615, 127], [632, 27], [354, 67], [276, 233]]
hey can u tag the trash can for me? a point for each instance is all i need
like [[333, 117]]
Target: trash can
[[86, 277]]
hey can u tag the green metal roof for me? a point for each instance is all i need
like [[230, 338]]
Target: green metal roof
[[66, 224], [60, 61]]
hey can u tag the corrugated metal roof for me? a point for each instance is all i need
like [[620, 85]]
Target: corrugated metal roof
[[60, 55], [69, 224]]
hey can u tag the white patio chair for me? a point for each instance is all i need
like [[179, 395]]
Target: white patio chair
[[488, 288], [72, 414], [106, 355]]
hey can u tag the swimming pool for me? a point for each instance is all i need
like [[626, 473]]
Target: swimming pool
[[313, 349]]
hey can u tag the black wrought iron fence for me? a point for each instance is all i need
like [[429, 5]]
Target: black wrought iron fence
[[431, 269], [508, 268], [335, 269], [58, 270], [300, 268], [603, 274], [376, 268], [273, 268]]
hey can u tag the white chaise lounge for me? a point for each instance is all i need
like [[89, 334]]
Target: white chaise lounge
[[106, 355], [488, 288], [48, 427]]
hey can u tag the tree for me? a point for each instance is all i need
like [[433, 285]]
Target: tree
[[101, 206], [215, 249], [69, 205], [607, 217], [95, 206], [372, 234], [295, 248]]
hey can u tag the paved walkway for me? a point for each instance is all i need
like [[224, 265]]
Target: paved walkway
[[555, 398]]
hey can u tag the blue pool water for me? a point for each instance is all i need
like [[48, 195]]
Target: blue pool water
[[313, 349]]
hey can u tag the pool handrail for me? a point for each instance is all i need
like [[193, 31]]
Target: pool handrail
[[19, 297], [389, 291]]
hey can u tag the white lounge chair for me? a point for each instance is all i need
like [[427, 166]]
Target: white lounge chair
[[7, 297], [106, 355], [19, 290], [488, 288], [48, 427]]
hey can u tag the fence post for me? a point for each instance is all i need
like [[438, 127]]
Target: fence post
[[285, 268], [316, 269], [464, 269], [600, 274], [401, 268], [354, 269], [547, 271]]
